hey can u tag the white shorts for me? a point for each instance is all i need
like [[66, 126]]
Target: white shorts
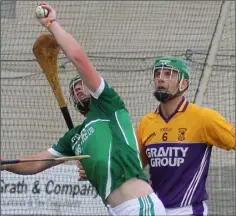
[[149, 205], [199, 209]]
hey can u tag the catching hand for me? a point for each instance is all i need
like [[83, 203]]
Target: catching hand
[[51, 14]]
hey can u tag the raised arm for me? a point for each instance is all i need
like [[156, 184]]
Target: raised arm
[[72, 50], [30, 168]]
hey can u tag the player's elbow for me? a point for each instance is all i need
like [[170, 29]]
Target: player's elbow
[[230, 147], [234, 147], [232, 143]]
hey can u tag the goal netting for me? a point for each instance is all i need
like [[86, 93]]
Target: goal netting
[[122, 39]]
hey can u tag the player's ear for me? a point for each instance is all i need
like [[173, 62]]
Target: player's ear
[[184, 84]]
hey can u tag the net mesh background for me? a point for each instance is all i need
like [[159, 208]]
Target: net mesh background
[[122, 39]]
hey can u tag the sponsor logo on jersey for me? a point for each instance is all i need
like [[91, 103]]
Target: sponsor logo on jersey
[[169, 156], [181, 134], [166, 129], [78, 139]]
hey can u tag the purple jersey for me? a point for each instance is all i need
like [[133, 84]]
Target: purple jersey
[[178, 172]]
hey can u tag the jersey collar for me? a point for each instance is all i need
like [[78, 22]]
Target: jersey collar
[[182, 106]]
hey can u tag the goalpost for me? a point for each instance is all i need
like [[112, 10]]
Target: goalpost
[[122, 39], [213, 49]]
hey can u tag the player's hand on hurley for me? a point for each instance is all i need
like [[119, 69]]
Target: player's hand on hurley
[[81, 171], [51, 14]]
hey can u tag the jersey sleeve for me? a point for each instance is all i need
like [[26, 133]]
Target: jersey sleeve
[[139, 134], [107, 99], [62, 147], [217, 131]]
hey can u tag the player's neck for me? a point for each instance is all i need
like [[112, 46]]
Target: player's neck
[[169, 107]]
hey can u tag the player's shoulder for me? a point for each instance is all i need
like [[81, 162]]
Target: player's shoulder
[[201, 111], [195, 107], [148, 117], [105, 88], [73, 131], [106, 84]]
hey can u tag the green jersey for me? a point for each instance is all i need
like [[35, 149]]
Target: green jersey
[[107, 135]]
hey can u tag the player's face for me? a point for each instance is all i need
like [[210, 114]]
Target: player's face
[[81, 97], [166, 78], [80, 92]]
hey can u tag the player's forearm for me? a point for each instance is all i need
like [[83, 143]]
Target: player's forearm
[[28, 168], [74, 51], [68, 44]]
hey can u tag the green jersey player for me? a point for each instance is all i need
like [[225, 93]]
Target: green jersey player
[[106, 134]]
